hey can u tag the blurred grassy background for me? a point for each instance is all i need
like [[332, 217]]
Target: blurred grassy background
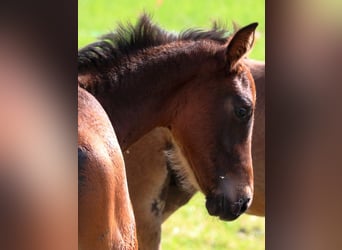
[[191, 227], [100, 16]]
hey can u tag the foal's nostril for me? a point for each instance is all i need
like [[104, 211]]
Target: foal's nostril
[[244, 204]]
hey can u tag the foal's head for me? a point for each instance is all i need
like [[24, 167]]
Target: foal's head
[[196, 84], [215, 126]]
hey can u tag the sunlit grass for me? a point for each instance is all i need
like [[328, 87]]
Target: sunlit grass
[[101, 16], [192, 228]]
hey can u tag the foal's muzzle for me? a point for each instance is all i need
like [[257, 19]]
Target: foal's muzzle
[[221, 206]]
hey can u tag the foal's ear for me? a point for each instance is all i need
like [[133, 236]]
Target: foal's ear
[[241, 43]]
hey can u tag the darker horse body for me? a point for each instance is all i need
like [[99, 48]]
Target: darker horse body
[[195, 85]]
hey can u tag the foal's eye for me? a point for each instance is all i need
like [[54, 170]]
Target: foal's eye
[[243, 113]]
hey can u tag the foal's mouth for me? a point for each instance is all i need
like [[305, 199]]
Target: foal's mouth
[[221, 207]]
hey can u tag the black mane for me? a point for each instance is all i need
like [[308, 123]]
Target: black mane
[[128, 40]]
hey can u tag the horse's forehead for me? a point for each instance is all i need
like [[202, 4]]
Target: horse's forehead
[[243, 83]]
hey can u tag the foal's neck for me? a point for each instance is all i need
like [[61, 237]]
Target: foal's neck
[[148, 89]]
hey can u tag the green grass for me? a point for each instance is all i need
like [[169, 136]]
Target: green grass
[[100, 16], [191, 227]]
